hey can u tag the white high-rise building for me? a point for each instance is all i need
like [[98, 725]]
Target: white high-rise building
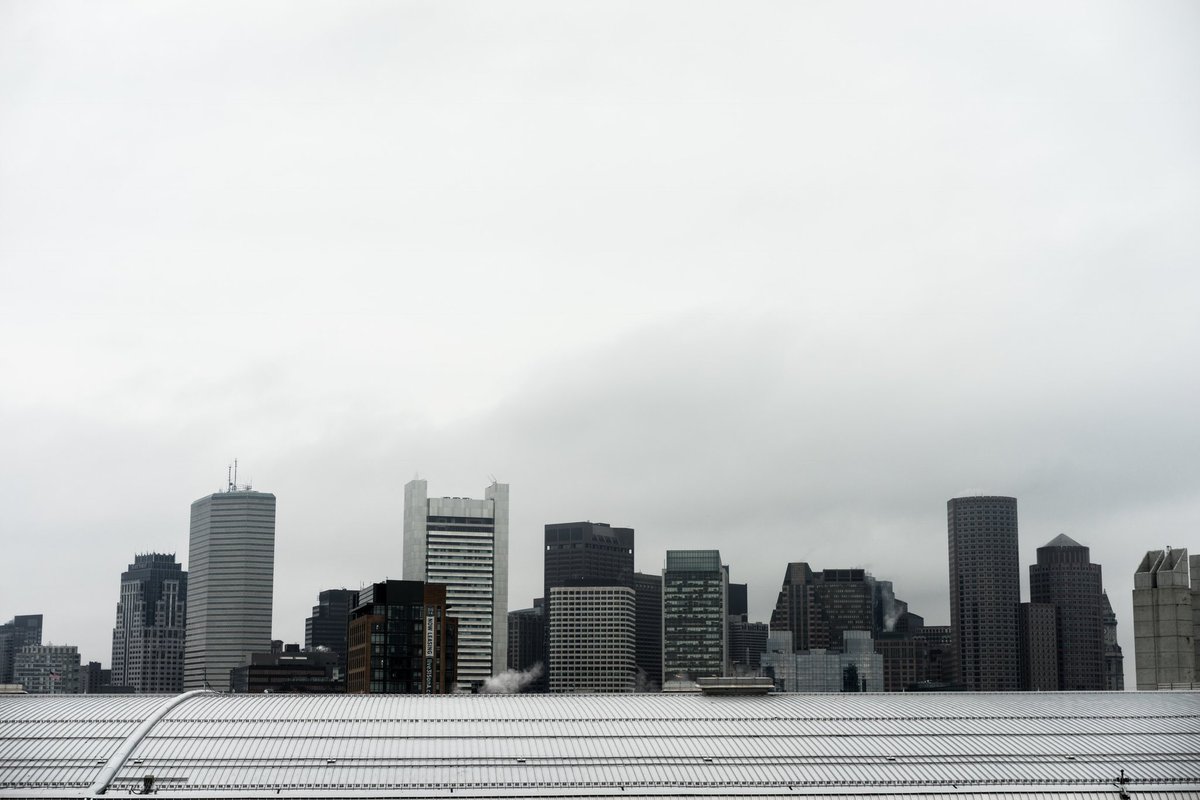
[[231, 566], [593, 637], [463, 543]]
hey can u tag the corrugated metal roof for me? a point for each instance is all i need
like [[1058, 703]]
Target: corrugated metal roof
[[961, 744]]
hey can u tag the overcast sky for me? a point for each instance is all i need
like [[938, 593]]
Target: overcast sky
[[777, 278]]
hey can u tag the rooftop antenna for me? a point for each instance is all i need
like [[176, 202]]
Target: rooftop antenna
[[229, 478], [235, 474]]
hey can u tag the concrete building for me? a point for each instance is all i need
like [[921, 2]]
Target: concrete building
[[905, 660], [1114, 659], [695, 615], [939, 642], [21, 631], [985, 592], [593, 639], [1065, 578], [649, 630], [47, 669], [583, 554], [231, 563], [1037, 631], [330, 620], [403, 639], [462, 544], [148, 638], [1166, 632], [856, 668]]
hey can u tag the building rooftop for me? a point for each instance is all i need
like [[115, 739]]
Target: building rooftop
[[204, 744], [1062, 540]]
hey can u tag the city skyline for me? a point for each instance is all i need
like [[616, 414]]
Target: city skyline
[[775, 280], [1125, 631]]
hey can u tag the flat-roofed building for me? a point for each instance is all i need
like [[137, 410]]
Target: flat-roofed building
[[695, 619], [593, 639]]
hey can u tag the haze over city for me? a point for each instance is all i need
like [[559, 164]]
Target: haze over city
[[773, 279]]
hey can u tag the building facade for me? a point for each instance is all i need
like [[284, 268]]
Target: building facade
[[593, 639], [1037, 630], [327, 627], [1065, 578], [231, 564], [148, 638], [855, 668], [1166, 606], [695, 615], [648, 589], [289, 670], [21, 631], [985, 592], [527, 638], [403, 639], [462, 543], [47, 669]]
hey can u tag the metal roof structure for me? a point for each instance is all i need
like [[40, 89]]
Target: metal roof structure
[[204, 744]]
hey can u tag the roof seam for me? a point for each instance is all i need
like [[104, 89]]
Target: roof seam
[[117, 761]]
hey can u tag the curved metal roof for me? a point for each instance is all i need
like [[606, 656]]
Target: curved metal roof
[[207, 744]]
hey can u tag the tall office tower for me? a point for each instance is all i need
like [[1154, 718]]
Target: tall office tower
[[47, 669], [819, 607], [593, 639], [695, 615], [20, 631], [985, 592], [649, 630], [739, 603], [330, 620], [148, 639], [587, 553], [231, 563], [527, 638], [1165, 630], [1114, 660], [403, 640], [1038, 634], [583, 554], [1065, 578], [463, 544]]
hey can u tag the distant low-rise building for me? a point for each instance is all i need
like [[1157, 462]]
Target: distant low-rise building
[[21, 631], [48, 669], [292, 670], [1166, 619]]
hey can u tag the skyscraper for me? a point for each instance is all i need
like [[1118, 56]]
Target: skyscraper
[[592, 639], [649, 630], [818, 607], [148, 638], [695, 614], [330, 620], [231, 562], [582, 554], [463, 543], [1166, 618], [985, 592], [21, 631], [1065, 578]]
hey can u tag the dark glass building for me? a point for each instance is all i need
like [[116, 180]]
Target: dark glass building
[[289, 670], [985, 592], [1065, 579], [20, 631], [648, 656], [401, 640], [327, 627], [149, 635], [527, 638], [1037, 628], [818, 607]]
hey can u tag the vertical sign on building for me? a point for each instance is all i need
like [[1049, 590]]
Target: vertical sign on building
[[429, 645]]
